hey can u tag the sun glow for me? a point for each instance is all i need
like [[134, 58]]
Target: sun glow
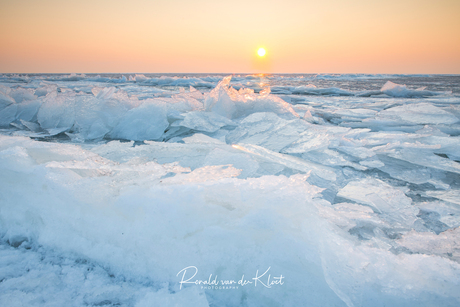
[[261, 52]]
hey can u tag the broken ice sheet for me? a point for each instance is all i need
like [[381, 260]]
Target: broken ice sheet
[[204, 121], [368, 138], [203, 174], [358, 152], [419, 113], [401, 280], [446, 212], [5, 101], [398, 90], [307, 141], [340, 115], [345, 215], [404, 170], [22, 94], [268, 130], [188, 155], [31, 126], [330, 158], [372, 163], [294, 163], [445, 244], [452, 196], [428, 160], [391, 203]]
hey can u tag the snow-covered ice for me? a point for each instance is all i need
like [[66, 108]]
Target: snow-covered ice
[[243, 190]]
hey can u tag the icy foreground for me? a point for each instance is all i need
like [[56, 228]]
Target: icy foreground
[[347, 199]]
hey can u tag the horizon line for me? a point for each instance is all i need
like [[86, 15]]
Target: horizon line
[[223, 73]]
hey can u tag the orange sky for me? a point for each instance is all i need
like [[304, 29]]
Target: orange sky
[[168, 36]]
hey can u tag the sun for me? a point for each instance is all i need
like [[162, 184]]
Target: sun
[[261, 52]]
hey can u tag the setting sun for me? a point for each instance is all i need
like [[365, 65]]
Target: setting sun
[[261, 52]]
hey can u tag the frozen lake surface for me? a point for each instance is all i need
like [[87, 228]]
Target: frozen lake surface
[[219, 190]]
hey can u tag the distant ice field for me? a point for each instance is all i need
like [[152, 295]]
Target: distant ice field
[[229, 190]]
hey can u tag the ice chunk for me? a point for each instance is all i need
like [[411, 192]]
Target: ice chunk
[[396, 278], [45, 90], [8, 115], [146, 122], [5, 100], [193, 94], [267, 130], [330, 158], [372, 163], [22, 94], [314, 137], [230, 103], [346, 215], [430, 130], [358, 152], [384, 199], [95, 117], [103, 93], [448, 212], [452, 196], [288, 161], [353, 211], [26, 111], [385, 138], [204, 121], [57, 111], [405, 171], [140, 78], [56, 131], [419, 113], [447, 145], [182, 105], [5, 90], [445, 244], [397, 90], [427, 160], [340, 115], [308, 141], [31, 126], [74, 77], [219, 100]]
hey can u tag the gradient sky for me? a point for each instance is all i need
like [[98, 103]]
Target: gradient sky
[[212, 36]]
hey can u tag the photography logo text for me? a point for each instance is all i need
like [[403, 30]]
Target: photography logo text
[[261, 279]]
